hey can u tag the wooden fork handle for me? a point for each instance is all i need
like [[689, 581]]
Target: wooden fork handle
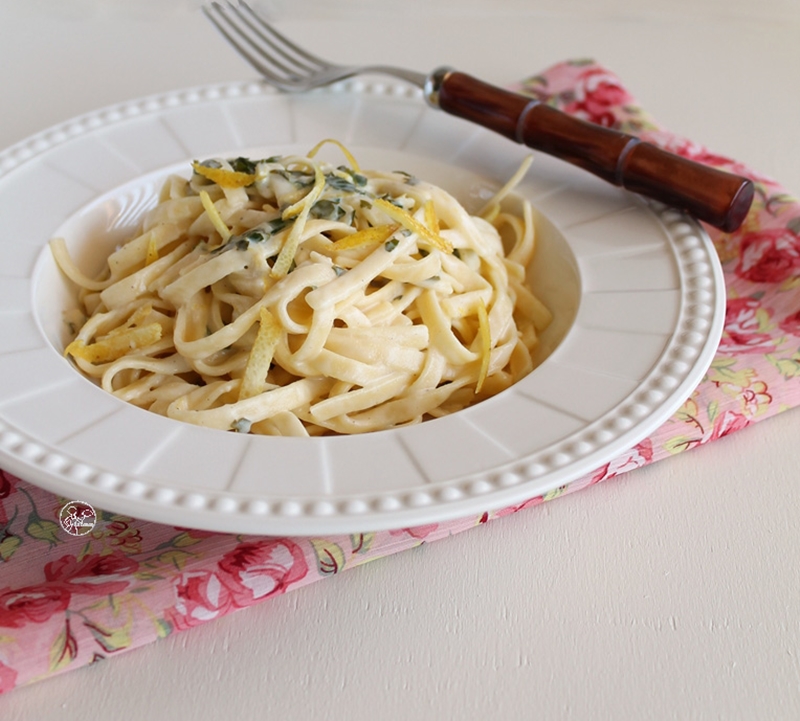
[[714, 196]]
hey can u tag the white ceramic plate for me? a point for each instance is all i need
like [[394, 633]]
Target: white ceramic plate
[[636, 290]]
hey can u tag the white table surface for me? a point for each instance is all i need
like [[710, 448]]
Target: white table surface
[[672, 592]]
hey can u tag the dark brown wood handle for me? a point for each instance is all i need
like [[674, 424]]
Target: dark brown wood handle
[[719, 198]]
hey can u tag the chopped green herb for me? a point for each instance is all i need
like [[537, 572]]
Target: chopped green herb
[[277, 225], [256, 235], [259, 234], [327, 210], [243, 165], [390, 245], [338, 183], [410, 179], [358, 179], [296, 178], [393, 201], [339, 270]]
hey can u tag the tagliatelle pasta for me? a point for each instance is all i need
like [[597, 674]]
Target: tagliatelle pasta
[[287, 296]]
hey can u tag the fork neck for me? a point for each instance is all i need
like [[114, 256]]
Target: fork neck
[[433, 84]]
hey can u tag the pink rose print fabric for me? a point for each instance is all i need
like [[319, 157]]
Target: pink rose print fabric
[[68, 601]]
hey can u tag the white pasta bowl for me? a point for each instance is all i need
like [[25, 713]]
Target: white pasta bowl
[[635, 290]]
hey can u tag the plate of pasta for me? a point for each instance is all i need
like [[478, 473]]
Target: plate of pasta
[[249, 312]]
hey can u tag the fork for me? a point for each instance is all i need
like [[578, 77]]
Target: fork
[[716, 197]]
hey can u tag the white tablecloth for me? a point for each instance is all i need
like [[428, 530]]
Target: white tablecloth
[[670, 593]]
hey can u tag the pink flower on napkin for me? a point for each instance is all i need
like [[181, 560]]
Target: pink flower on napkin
[[755, 400], [95, 574], [201, 597], [791, 323], [597, 93], [638, 456], [34, 604], [123, 533], [727, 422], [255, 570], [744, 318], [769, 255]]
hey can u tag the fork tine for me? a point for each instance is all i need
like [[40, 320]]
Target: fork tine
[[274, 55], [287, 44], [293, 67], [281, 62], [222, 23], [249, 41]]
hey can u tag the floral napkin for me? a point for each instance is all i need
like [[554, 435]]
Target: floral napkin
[[67, 601]]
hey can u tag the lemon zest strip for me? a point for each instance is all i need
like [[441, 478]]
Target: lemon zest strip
[[410, 223], [486, 344], [214, 216], [286, 256], [430, 217], [114, 347], [347, 154], [223, 177], [367, 236], [258, 363]]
